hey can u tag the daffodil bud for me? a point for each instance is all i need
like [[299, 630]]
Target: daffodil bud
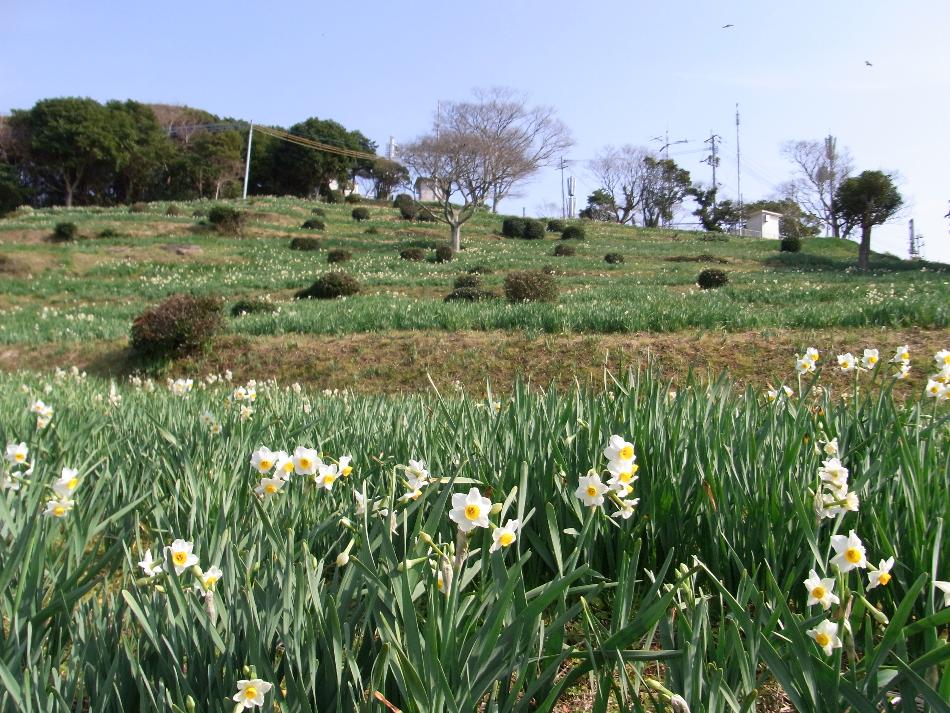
[[427, 538], [190, 704], [342, 559], [345, 522], [496, 508], [247, 670]]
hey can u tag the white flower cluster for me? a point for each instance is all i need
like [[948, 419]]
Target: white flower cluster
[[622, 467], [44, 414], [180, 555], [834, 497], [303, 462], [938, 385]]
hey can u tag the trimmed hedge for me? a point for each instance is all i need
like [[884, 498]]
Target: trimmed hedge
[[252, 306], [360, 214], [469, 294], [573, 232], [339, 256], [444, 253], [313, 224], [711, 279], [182, 324], [530, 286], [564, 250], [64, 233], [791, 245], [305, 244], [413, 254], [330, 286], [227, 220], [613, 258]]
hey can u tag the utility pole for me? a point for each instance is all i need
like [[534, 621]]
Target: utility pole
[[247, 163], [665, 150], [563, 202], [738, 166], [713, 158], [392, 148]]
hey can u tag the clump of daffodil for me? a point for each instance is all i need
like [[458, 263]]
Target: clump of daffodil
[[181, 387]]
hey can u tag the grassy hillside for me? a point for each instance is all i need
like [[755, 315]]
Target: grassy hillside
[[86, 292]]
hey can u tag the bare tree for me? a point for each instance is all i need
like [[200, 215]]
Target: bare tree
[[622, 172], [519, 140], [456, 166], [820, 168]]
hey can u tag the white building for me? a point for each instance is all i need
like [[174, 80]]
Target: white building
[[424, 190], [763, 224]]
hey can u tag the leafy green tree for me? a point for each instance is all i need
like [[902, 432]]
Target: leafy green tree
[[216, 162], [305, 171], [868, 199], [386, 176], [600, 206], [143, 150], [665, 185], [12, 191], [715, 216]]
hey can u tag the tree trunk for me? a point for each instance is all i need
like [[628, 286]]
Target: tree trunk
[[864, 249], [456, 237], [69, 195]]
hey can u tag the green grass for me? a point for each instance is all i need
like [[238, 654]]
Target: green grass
[[92, 289], [705, 578]]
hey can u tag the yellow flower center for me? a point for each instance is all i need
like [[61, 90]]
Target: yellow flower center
[[266, 465], [814, 357], [818, 592], [288, 467], [439, 583], [946, 359], [73, 482], [250, 692], [59, 511], [210, 582], [328, 479], [179, 558], [884, 578], [591, 491], [19, 457], [626, 476], [472, 512], [626, 453], [506, 538], [822, 638], [347, 471], [853, 555], [270, 488], [305, 463], [872, 359], [905, 356]]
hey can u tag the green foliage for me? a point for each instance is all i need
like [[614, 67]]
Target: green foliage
[[613, 258], [573, 232], [227, 220], [332, 196], [530, 286], [409, 211], [562, 250], [472, 279], [64, 233], [353, 199], [601, 206], [413, 254], [480, 270], [444, 253], [371, 230], [533, 230], [180, 325], [252, 306], [715, 216], [360, 214], [469, 294], [139, 207], [319, 212], [403, 199], [305, 244], [330, 286], [386, 176], [513, 227], [796, 222], [313, 224], [790, 245], [712, 278], [109, 233], [664, 186], [555, 226], [866, 200], [339, 255], [12, 191], [173, 210]]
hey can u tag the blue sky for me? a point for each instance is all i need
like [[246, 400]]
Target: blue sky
[[617, 72]]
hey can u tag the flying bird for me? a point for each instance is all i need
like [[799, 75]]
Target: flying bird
[[725, 26], [868, 63]]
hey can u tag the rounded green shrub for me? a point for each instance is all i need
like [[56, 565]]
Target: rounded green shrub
[[304, 244], [64, 233], [182, 324], [468, 280], [319, 212], [339, 256], [613, 258], [409, 211], [480, 270], [444, 253], [360, 214], [549, 270], [173, 210], [564, 251], [533, 230], [353, 199], [372, 230], [109, 233], [530, 286], [226, 220], [573, 232], [555, 225], [330, 286], [469, 294], [252, 306], [138, 207], [313, 224], [711, 279], [791, 244], [413, 254], [513, 227], [332, 196], [403, 199]]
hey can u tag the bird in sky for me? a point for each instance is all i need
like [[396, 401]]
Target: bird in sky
[[868, 63], [725, 26]]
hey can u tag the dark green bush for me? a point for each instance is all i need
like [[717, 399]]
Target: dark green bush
[[109, 233], [226, 220], [252, 306], [329, 286], [313, 224], [372, 230], [513, 227], [613, 258], [360, 214], [319, 212], [711, 279], [199, 213], [469, 294], [444, 253], [549, 270], [555, 225], [468, 281], [424, 216], [138, 207], [180, 325], [533, 230], [564, 250], [339, 256], [480, 270], [573, 232], [530, 286], [332, 196], [173, 210], [413, 254], [791, 244], [403, 199], [304, 244], [64, 233], [353, 199], [409, 211]]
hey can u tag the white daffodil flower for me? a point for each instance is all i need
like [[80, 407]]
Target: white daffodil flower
[[804, 365], [58, 508], [945, 588], [831, 448], [306, 460], [812, 354], [880, 575], [262, 460], [942, 358], [251, 693], [150, 567], [470, 511], [846, 362], [283, 465], [504, 536], [417, 469], [16, 453], [933, 391], [626, 509], [850, 552], [327, 475], [209, 578], [590, 490], [180, 554], [344, 466], [833, 472], [826, 636], [870, 358], [618, 450], [901, 355], [66, 483], [821, 590], [269, 486]]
